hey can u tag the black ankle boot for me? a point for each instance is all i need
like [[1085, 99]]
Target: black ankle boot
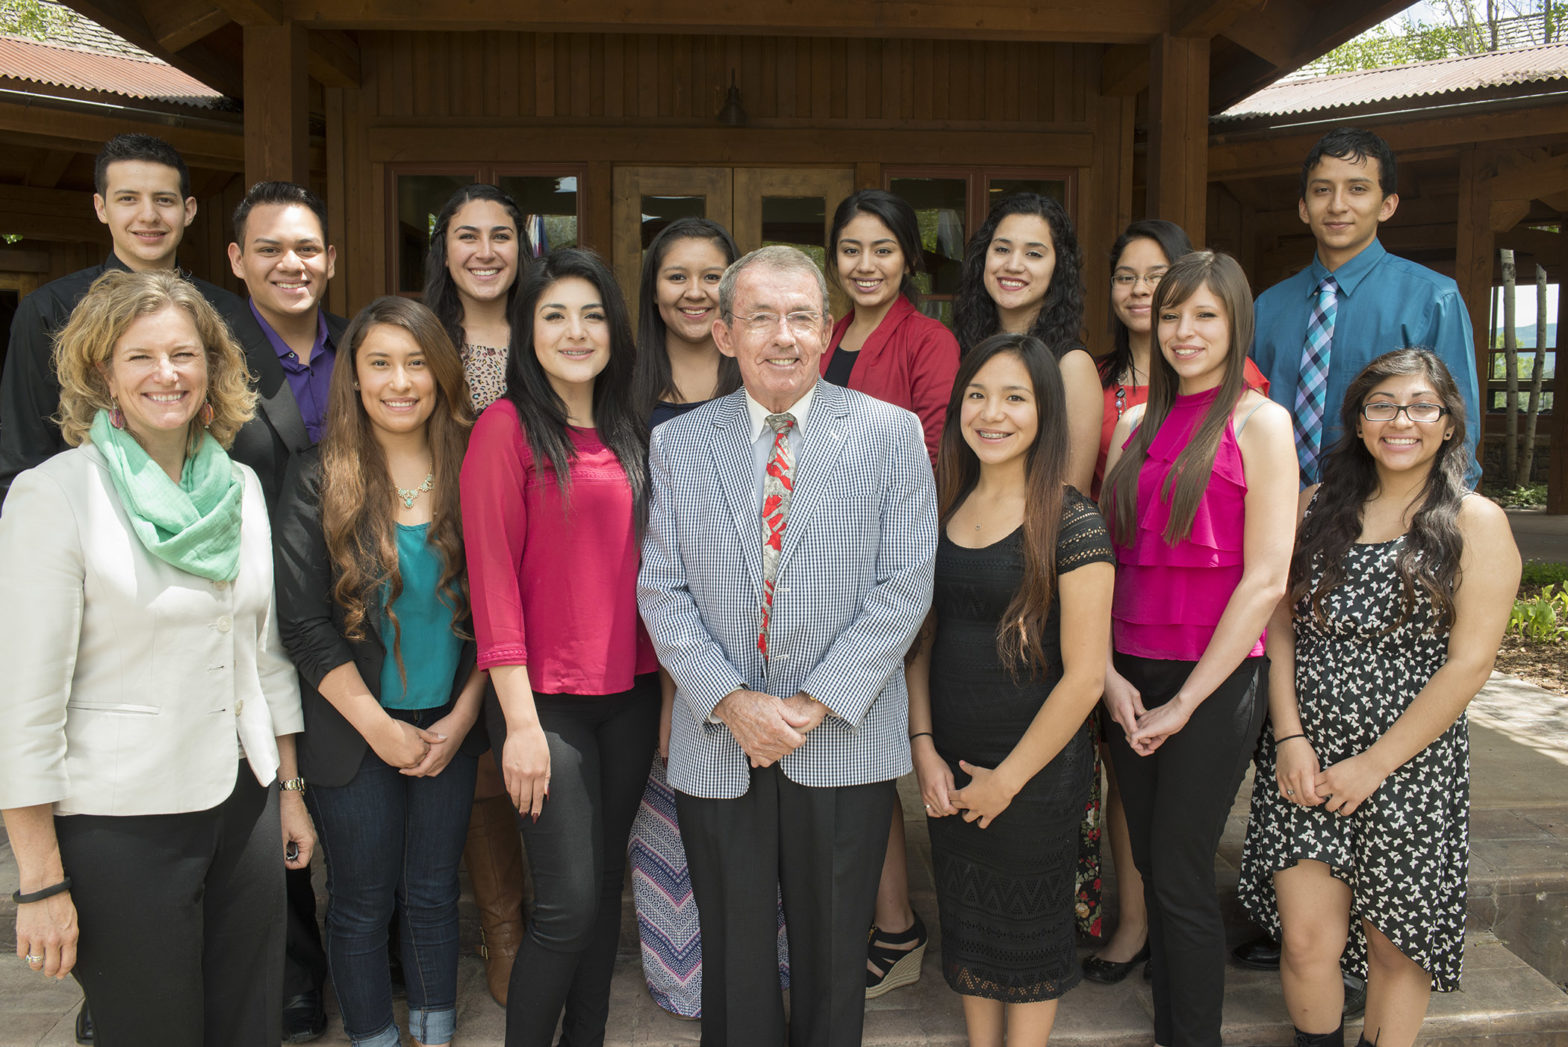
[[1321, 1039]]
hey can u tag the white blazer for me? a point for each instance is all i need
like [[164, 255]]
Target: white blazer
[[127, 686]]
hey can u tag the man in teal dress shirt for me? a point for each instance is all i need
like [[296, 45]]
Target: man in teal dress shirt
[[1383, 302]]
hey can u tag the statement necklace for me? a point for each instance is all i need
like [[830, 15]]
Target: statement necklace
[[408, 495]]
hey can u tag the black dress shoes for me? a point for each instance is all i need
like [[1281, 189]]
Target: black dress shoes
[[84, 1025], [1109, 972], [1259, 954], [304, 1018]]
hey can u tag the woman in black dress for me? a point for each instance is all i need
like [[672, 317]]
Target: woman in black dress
[[1400, 589], [1009, 665]]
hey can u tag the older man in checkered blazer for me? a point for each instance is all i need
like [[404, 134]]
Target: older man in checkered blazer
[[787, 566]]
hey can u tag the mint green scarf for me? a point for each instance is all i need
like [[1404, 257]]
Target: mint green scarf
[[193, 525]]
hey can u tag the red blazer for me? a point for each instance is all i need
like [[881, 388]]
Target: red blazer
[[910, 360]]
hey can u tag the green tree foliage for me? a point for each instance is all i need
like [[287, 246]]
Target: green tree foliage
[[1448, 29], [35, 18]]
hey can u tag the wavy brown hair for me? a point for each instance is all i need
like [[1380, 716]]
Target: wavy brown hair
[[1019, 635], [85, 346], [357, 490], [1429, 556], [1189, 476]]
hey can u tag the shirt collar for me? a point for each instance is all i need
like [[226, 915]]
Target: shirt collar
[[1350, 275], [759, 414], [281, 347]]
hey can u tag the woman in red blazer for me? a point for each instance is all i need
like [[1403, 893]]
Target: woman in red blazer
[[886, 347]]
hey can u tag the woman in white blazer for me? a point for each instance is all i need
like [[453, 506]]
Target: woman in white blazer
[[149, 705]]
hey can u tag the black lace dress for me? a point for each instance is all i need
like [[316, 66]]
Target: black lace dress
[[1006, 892]]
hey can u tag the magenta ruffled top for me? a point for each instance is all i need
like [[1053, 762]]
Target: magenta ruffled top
[[1169, 598]]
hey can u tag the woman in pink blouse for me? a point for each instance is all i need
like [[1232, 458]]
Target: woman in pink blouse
[[554, 489]]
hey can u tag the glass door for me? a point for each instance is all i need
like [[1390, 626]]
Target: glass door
[[792, 206]]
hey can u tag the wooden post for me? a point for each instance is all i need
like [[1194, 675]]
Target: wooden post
[[1473, 254], [276, 97], [1179, 132]]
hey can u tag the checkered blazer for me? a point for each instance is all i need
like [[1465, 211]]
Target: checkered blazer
[[853, 586]]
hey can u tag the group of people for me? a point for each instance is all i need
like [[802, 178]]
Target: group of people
[[703, 593]]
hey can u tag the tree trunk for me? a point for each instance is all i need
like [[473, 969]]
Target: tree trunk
[[1510, 374], [1537, 375]]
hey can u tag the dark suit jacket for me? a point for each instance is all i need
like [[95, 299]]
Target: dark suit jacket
[[278, 430], [311, 623], [29, 389]]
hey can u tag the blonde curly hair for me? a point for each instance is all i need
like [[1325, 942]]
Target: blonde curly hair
[[85, 346]]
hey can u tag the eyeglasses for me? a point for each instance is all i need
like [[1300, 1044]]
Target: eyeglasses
[[1383, 411], [764, 323], [1131, 279]]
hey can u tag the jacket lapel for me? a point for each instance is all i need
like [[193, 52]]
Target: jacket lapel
[[821, 448], [274, 397], [734, 464]]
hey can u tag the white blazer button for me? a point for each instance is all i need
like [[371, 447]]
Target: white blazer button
[[225, 623], [239, 706]]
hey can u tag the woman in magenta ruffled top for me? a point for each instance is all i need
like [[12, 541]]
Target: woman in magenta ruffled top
[[1200, 496]]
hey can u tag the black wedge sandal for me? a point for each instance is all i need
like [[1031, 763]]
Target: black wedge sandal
[[895, 968]]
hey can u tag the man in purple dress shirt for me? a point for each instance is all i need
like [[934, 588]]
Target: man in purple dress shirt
[[280, 250]]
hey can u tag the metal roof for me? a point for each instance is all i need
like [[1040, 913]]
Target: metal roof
[[95, 70], [1522, 65]]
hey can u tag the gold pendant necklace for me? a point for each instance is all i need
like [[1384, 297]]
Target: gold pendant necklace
[[408, 495]]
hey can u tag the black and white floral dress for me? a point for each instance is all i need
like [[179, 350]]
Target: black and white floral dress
[[1405, 851]]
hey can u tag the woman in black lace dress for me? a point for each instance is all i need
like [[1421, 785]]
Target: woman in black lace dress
[[1400, 588], [1009, 665]]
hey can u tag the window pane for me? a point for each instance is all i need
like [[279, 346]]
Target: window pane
[[796, 221], [660, 211], [939, 205], [549, 206], [997, 188], [419, 200]]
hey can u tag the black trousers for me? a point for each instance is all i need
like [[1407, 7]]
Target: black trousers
[[304, 958], [824, 848], [1176, 801], [599, 751], [181, 938]]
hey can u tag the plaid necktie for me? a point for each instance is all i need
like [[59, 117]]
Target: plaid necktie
[[778, 483], [1312, 388]]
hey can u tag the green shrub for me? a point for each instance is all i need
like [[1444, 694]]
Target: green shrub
[[1538, 573], [1543, 618], [1527, 496]]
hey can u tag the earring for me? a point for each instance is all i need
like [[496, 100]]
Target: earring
[[206, 414], [1448, 435], [116, 416]]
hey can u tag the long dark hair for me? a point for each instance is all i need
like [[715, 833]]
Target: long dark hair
[[1429, 556], [541, 411], [900, 218], [1189, 475], [1173, 243], [1060, 323], [356, 489], [1019, 634], [440, 292], [652, 380]]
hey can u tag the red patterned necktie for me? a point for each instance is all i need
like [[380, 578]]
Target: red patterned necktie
[[778, 483]]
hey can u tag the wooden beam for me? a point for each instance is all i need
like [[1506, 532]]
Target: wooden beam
[[1474, 250], [334, 58], [125, 18], [1249, 157], [1529, 180], [49, 214], [1208, 17], [180, 23], [78, 132], [1288, 34], [254, 12], [1107, 21], [1124, 70], [1505, 214], [1179, 127], [494, 142], [45, 171], [276, 112]]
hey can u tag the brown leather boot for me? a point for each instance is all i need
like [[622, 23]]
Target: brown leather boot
[[494, 856]]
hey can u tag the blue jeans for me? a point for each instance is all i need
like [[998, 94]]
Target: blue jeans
[[392, 843]]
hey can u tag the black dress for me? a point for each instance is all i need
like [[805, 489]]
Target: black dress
[[1006, 892]]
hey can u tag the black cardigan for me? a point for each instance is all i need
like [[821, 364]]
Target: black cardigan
[[311, 624]]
